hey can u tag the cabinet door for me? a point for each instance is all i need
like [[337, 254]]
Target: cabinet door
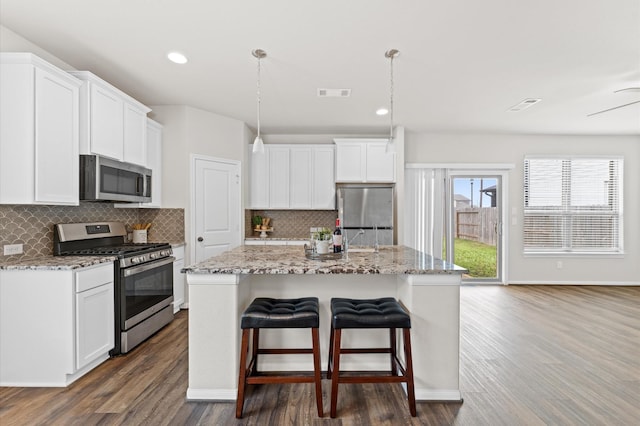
[[154, 162], [380, 164], [278, 177], [350, 162], [107, 118], [324, 188], [135, 135], [178, 284], [301, 178], [94, 324], [259, 179], [56, 140]]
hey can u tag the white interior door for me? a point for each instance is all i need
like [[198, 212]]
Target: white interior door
[[216, 204]]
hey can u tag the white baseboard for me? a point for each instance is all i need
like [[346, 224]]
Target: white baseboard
[[211, 394], [607, 283]]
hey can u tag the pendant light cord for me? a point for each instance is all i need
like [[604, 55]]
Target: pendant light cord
[[258, 95], [391, 100]]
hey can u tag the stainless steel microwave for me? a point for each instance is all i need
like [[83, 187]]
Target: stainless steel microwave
[[104, 179]]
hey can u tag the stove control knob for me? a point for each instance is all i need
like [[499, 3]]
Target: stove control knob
[[135, 260], [153, 255]]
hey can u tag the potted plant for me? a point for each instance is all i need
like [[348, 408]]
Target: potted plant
[[256, 221], [323, 237]]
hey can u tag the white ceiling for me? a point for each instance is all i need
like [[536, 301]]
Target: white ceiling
[[462, 64]]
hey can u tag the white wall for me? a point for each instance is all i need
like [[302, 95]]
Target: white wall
[[190, 131], [453, 148], [12, 42]]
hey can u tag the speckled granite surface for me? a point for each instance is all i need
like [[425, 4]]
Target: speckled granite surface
[[54, 263], [291, 260]]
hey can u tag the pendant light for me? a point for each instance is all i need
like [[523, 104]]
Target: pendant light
[[258, 145], [391, 54]]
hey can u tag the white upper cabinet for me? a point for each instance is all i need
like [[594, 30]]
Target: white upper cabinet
[[364, 160], [294, 177], [112, 123], [323, 189], [278, 177], [301, 177], [154, 162], [39, 131]]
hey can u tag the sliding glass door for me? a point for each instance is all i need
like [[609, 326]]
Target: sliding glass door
[[473, 237]]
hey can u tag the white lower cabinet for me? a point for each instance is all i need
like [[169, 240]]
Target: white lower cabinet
[[55, 325], [178, 278], [94, 316]]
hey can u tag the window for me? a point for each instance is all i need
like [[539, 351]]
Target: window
[[572, 205]]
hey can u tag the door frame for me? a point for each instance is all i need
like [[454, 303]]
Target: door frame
[[192, 199], [502, 202]]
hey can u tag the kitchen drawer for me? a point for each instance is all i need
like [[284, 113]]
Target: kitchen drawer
[[94, 277]]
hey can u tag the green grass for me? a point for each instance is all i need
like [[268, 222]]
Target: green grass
[[478, 258]]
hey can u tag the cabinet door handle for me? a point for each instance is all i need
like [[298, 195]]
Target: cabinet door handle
[[200, 239]]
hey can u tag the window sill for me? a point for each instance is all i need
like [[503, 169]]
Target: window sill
[[591, 255]]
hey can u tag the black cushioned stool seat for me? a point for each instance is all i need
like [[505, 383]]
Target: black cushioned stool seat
[[384, 312], [278, 313]]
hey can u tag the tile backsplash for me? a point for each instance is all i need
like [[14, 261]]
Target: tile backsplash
[[291, 223], [32, 226]]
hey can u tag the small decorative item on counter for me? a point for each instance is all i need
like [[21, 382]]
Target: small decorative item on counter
[[323, 240], [256, 221], [140, 232], [265, 223]]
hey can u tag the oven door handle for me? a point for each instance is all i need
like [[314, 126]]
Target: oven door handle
[[147, 266]]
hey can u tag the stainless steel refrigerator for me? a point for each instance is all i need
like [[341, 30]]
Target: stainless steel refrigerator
[[366, 211]]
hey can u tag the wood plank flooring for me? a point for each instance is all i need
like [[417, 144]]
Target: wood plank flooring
[[530, 355]]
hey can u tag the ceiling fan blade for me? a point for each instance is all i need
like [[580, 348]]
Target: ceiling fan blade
[[611, 109], [628, 89]]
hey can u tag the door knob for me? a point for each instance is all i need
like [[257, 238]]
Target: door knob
[[200, 239]]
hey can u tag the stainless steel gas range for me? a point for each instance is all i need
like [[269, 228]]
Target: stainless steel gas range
[[143, 277]]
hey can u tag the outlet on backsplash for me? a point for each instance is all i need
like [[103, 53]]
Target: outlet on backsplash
[[10, 249]]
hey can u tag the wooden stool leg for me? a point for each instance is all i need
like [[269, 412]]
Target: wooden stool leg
[[254, 351], [409, 371], [242, 376], [393, 350], [315, 335], [330, 361], [336, 371]]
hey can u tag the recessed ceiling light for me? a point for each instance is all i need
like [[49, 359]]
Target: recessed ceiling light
[[382, 111], [177, 58]]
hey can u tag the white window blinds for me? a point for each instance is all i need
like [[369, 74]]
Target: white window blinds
[[573, 205]]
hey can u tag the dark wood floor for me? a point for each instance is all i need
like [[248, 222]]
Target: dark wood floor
[[530, 355]]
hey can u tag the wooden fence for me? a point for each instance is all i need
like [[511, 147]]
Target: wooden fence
[[477, 224]]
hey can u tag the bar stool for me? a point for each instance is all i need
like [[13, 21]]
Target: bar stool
[[278, 313], [370, 313]]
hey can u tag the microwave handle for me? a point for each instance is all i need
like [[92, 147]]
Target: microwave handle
[[140, 185]]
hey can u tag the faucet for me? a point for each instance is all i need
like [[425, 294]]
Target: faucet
[[360, 232]]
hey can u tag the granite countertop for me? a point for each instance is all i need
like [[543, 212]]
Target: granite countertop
[[291, 260], [53, 263]]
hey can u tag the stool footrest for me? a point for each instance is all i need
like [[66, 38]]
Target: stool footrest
[[365, 351], [371, 379], [260, 380], [285, 351]]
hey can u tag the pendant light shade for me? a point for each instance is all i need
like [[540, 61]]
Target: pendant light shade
[[258, 145], [391, 54]]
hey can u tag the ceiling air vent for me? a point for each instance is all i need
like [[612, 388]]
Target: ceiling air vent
[[334, 93], [524, 104]]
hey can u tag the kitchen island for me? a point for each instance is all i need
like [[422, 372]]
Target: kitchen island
[[221, 287]]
